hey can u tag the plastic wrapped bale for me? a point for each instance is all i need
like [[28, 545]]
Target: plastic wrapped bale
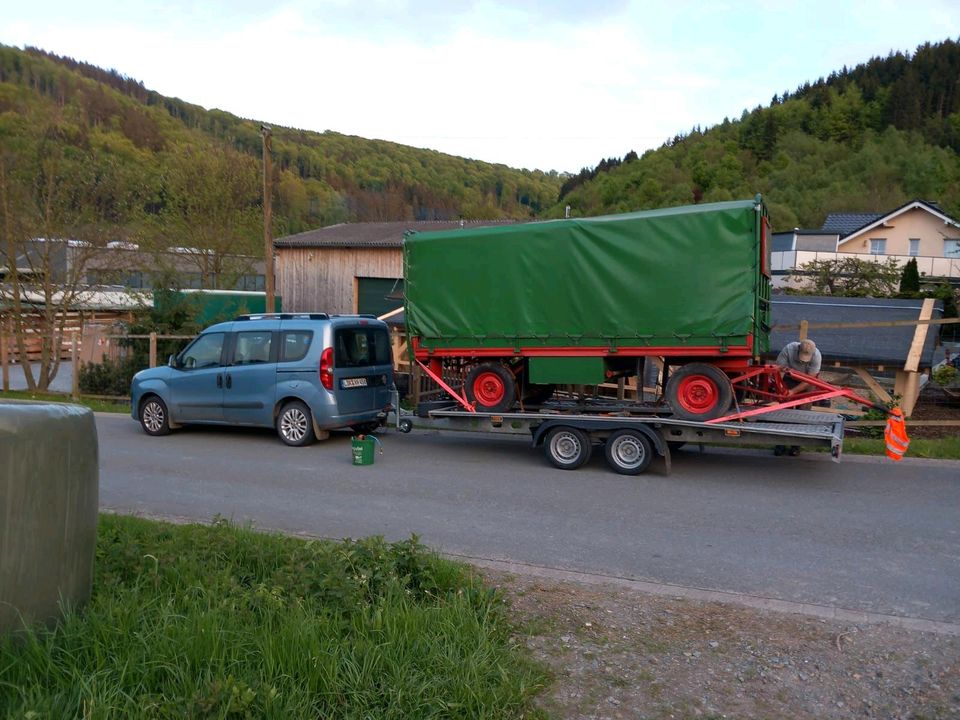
[[49, 486]]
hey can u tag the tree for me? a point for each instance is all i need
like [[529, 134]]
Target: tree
[[910, 279], [848, 277], [59, 204], [210, 212]]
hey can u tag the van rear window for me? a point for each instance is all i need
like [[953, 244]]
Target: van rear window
[[294, 344], [360, 347]]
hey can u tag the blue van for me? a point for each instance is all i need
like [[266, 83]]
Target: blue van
[[303, 374]]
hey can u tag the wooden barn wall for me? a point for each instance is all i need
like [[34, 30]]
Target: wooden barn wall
[[324, 279]]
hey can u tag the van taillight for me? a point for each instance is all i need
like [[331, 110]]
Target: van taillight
[[326, 368]]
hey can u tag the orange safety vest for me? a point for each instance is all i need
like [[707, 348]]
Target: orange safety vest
[[895, 435]]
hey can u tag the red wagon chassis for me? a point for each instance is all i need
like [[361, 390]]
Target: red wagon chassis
[[757, 389]]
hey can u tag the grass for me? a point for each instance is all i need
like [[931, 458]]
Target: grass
[[223, 622], [947, 448], [95, 404]]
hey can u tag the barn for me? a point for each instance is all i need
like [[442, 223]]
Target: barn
[[350, 268]]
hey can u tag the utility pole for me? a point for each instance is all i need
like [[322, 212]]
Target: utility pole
[[268, 273]]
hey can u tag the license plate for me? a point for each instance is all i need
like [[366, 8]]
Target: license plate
[[353, 382]]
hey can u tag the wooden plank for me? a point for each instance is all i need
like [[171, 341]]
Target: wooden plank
[[870, 324], [875, 387], [919, 337], [907, 386]]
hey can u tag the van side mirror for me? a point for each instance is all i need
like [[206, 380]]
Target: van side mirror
[[172, 361]]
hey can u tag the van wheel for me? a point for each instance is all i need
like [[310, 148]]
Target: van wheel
[[295, 425], [154, 418], [491, 387], [567, 448]]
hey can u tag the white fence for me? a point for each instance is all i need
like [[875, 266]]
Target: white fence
[[786, 261]]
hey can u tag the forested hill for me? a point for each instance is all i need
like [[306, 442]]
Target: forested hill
[[865, 139], [320, 178]]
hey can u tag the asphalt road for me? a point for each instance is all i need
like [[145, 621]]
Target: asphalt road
[[865, 534]]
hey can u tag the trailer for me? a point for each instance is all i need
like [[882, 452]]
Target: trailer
[[631, 436], [514, 311]]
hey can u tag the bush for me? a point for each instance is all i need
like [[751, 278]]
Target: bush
[[945, 375], [109, 377]]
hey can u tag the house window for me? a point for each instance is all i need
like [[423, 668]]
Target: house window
[[951, 247], [878, 246], [914, 246]]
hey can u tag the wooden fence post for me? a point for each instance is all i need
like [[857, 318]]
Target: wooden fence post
[[4, 364], [804, 329], [74, 357], [153, 349]]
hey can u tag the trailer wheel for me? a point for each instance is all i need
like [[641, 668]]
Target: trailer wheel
[[567, 447], [491, 387], [699, 391], [628, 452]]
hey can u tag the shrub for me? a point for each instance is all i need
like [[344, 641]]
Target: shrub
[[945, 375], [109, 377]]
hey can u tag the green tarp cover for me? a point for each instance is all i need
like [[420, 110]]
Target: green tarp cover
[[686, 276]]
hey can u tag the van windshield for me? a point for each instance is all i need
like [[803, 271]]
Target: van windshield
[[361, 347]]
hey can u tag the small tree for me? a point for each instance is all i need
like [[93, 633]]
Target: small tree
[[59, 204], [848, 277], [910, 279]]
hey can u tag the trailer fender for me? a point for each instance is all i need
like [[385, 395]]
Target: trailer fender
[[654, 435]]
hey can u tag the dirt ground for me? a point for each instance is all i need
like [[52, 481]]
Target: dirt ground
[[935, 405], [618, 653]]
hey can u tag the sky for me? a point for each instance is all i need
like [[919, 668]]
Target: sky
[[538, 84]]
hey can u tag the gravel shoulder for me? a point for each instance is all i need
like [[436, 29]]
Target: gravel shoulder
[[619, 653]]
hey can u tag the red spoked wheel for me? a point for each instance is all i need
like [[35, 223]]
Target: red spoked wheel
[[491, 387], [699, 392]]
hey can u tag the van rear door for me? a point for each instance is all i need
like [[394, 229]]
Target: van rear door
[[363, 368]]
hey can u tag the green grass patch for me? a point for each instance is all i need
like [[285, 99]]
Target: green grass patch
[[223, 622], [938, 448], [94, 404]]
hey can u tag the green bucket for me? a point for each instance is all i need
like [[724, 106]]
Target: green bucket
[[363, 449]]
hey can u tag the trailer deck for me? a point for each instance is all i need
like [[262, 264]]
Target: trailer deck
[[632, 437]]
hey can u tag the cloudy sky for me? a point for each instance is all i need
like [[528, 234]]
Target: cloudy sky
[[530, 83]]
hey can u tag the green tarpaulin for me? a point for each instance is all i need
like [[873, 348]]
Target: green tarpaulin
[[686, 276]]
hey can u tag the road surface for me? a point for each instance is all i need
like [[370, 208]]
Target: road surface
[[865, 534]]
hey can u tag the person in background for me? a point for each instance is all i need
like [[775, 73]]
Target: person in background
[[802, 356]]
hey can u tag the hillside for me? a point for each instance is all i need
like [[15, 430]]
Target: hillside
[[144, 139], [865, 139]]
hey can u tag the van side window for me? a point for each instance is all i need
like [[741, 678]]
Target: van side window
[[203, 352], [361, 347], [252, 347], [294, 344]]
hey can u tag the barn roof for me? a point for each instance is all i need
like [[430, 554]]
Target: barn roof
[[374, 234], [875, 346]]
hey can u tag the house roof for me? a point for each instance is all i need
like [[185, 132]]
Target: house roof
[[845, 223], [374, 234], [876, 346], [870, 222]]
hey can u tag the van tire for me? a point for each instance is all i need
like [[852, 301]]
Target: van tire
[[154, 416], [295, 424]]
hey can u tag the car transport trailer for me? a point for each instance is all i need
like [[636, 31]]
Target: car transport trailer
[[630, 441]]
